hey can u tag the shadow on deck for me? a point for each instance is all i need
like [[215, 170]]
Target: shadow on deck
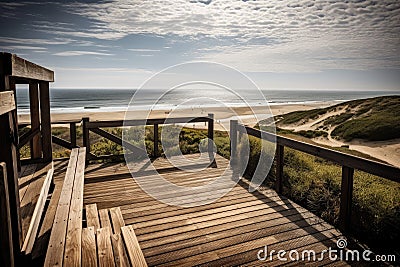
[[230, 231]]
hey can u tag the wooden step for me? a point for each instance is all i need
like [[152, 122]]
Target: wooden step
[[108, 245]]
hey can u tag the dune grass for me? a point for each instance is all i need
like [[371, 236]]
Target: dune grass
[[372, 119]]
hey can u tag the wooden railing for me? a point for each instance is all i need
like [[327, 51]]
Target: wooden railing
[[348, 162], [15, 70], [95, 127]]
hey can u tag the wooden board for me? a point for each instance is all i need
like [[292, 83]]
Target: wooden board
[[7, 102], [121, 258], [55, 251], [116, 219], [135, 253], [104, 247], [25, 69], [92, 216], [89, 253], [104, 219], [37, 213], [72, 253]]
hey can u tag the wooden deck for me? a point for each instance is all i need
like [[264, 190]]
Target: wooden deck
[[228, 232]]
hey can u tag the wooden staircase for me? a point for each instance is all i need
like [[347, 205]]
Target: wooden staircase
[[107, 240]]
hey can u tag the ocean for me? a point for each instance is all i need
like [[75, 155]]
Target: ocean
[[80, 100]]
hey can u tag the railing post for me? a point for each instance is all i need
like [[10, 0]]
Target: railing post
[[279, 168], [72, 134], [8, 141], [210, 136], [6, 241], [86, 139], [45, 121], [36, 150], [155, 141], [346, 198], [234, 140]]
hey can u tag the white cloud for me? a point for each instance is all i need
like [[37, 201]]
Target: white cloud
[[31, 41], [21, 47], [81, 53], [299, 36], [143, 50]]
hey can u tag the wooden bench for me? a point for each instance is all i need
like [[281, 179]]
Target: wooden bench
[[107, 241], [65, 239]]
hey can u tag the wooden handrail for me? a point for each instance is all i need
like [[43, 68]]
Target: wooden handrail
[[94, 126], [370, 166], [348, 163]]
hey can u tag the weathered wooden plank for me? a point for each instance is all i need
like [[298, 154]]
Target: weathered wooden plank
[[116, 219], [6, 242], [55, 251], [7, 102], [40, 247], [72, 254], [25, 69], [104, 219], [45, 120], [37, 213], [92, 216], [36, 149], [89, 253], [104, 247], [135, 253], [121, 259]]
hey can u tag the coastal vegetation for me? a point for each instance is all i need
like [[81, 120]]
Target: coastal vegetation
[[373, 119]]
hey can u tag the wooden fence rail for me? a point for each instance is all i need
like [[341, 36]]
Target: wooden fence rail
[[94, 126], [348, 162]]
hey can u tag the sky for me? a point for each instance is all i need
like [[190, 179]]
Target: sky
[[279, 44]]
